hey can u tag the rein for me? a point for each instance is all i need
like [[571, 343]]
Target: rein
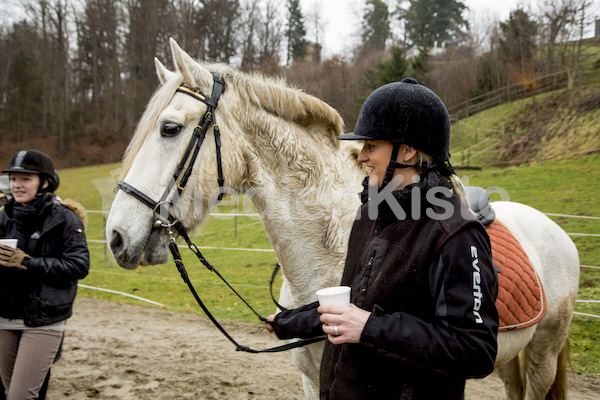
[[171, 222]]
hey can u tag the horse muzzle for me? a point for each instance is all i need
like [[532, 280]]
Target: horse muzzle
[[129, 255]]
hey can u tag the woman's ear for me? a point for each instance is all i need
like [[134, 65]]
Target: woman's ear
[[45, 184], [408, 152]]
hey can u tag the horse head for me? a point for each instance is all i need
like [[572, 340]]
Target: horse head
[[277, 141], [170, 128]]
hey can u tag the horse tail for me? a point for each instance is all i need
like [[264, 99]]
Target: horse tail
[[558, 391]]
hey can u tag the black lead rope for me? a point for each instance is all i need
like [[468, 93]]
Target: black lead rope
[[208, 265], [184, 275], [273, 275]]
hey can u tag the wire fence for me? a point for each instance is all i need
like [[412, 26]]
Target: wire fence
[[235, 215]]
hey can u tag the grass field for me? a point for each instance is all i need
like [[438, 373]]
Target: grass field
[[562, 187]]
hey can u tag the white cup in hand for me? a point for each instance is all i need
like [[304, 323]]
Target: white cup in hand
[[334, 296], [9, 242]]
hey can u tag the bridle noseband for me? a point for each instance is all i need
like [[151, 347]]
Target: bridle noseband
[[191, 153]]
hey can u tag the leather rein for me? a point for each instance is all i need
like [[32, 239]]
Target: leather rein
[[170, 222]]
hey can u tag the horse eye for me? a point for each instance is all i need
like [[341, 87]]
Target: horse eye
[[170, 129]]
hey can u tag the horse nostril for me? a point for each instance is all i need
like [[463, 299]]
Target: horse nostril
[[116, 242]]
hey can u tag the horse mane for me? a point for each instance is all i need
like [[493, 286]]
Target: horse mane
[[279, 97]]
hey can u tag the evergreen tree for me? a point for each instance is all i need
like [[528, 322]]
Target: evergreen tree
[[375, 25], [517, 43], [388, 70], [430, 21], [295, 33]]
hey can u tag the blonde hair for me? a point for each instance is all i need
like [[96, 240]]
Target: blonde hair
[[425, 161]]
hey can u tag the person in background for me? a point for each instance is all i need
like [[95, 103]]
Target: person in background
[[38, 277], [422, 317]]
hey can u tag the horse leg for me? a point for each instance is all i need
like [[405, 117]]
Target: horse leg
[[512, 377], [308, 361], [560, 384], [542, 366]]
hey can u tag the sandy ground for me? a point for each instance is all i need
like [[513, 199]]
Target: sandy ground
[[119, 351]]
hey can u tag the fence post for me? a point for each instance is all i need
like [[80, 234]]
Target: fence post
[[105, 242], [235, 219]]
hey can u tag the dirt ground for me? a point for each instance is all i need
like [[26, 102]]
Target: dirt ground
[[120, 351]]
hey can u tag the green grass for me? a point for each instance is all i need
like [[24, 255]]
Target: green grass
[[562, 187]]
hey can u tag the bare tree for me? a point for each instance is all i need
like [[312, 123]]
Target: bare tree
[[570, 40], [270, 36], [249, 20], [556, 16], [314, 22], [99, 67]]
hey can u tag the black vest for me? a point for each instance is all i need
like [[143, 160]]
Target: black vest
[[387, 267]]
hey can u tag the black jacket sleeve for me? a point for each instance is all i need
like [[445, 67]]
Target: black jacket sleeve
[[303, 323], [461, 338]]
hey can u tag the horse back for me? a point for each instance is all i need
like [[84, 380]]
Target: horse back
[[549, 248]]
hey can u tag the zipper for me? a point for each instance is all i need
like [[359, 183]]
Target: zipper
[[364, 282], [362, 288]]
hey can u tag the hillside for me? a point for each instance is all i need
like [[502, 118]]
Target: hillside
[[552, 126]]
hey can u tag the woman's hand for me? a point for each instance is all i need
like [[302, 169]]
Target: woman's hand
[[267, 325], [12, 258], [349, 321]]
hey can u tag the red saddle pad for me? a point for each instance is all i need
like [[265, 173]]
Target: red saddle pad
[[521, 300]]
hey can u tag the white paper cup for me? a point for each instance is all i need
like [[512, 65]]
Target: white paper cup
[[9, 242], [334, 296]]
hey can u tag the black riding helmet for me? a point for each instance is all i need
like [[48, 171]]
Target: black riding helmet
[[405, 113], [34, 162]]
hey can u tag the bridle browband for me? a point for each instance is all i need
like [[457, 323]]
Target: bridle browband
[[172, 222]]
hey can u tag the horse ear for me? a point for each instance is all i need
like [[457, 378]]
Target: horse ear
[[183, 62], [163, 73]]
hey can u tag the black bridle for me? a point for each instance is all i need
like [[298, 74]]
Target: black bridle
[[171, 222]]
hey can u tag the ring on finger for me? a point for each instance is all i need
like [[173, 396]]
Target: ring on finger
[[335, 331]]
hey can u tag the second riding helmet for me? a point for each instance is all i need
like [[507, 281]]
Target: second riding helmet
[[34, 162], [405, 112]]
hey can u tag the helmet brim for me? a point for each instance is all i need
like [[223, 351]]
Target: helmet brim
[[21, 170], [353, 136]]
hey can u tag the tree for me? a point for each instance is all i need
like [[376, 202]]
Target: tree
[[147, 38], [270, 37], [375, 26], [261, 35], [99, 68], [556, 17], [250, 18], [430, 21], [315, 21], [388, 70], [21, 83], [518, 44], [295, 33], [571, 49], [219, 18]]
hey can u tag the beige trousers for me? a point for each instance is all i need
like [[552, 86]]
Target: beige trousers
[[25, 358]]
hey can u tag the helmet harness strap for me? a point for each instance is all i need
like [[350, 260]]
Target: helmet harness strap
[[393, 165]]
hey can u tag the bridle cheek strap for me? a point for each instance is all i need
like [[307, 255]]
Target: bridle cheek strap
[[207, 120]]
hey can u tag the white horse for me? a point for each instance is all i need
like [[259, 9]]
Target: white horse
[[279, 146]]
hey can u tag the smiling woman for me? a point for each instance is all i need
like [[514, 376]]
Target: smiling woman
[[38, 277]]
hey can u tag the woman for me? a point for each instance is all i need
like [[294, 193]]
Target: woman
[[422, 318], [38, 278]]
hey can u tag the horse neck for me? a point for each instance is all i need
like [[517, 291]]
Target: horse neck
[[306, 194]]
